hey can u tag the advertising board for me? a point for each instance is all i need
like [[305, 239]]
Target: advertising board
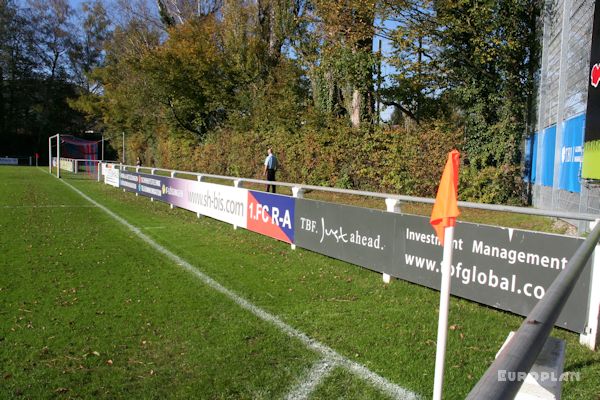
[[67, 164], [8, 161], [224, 203], [508, 269], [111, 175], [271, 215], [591, 152], [129, 181], [357, 235], [504, 268]]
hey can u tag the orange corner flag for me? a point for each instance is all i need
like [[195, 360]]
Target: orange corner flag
[[445, 210]]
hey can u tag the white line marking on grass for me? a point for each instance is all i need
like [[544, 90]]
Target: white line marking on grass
[[391, 389], [312, 379]]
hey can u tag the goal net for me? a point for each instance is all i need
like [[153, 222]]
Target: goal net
[[74, 154]]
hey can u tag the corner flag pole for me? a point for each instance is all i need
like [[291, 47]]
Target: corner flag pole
[[443, 218]]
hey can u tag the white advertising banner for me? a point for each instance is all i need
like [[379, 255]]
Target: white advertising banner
[[225, 203], [111, 175], [9, 161], [67, 164]]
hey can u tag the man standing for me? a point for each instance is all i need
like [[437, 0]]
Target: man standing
[[270, 168]]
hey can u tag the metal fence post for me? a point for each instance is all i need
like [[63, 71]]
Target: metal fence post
[[173, 173], [200, 178], [393, 206], [238, 183], [121, 171]]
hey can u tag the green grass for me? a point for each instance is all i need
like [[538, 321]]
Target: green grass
[[78, 290]]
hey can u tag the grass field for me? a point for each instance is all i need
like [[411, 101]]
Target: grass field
[[88, 309]]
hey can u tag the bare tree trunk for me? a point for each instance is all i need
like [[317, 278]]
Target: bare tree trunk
[[356, 108]]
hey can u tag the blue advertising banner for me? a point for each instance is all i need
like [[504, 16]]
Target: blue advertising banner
[[571, 154], [527, 155], [129, 181], [534, 158], [548, 146], [271, 215]]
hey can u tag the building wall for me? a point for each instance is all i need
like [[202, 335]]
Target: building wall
[[562, 97]]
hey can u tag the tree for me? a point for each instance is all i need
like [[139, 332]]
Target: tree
[[417, 85], [127, 100], [175, 12], [51, 36], [191, 77], [342, 57], [16, 76], [35, 74], [490, 53], [86, 51]]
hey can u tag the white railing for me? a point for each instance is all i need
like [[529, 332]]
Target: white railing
[[392, 200]]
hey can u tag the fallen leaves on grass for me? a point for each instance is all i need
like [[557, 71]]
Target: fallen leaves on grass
[[92, 353]]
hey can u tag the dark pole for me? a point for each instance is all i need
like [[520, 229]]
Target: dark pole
[[522, 350], [379, 85]]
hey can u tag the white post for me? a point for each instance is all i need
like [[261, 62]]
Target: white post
[[238, 183], [50, 155], [98, 166], [298, 193], [75, 165], [172, 176], [123, 147], [58, 155], [442, 333], [393, 206], [121, 171], [102, 147], [200, 179], [30, 163]]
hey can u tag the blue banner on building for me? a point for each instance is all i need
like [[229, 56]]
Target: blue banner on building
[[548, 147], [530, 160], [527, 159], [571, 154], [534, 158]]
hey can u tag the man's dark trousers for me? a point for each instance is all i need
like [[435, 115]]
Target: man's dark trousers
[[271, 177]]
